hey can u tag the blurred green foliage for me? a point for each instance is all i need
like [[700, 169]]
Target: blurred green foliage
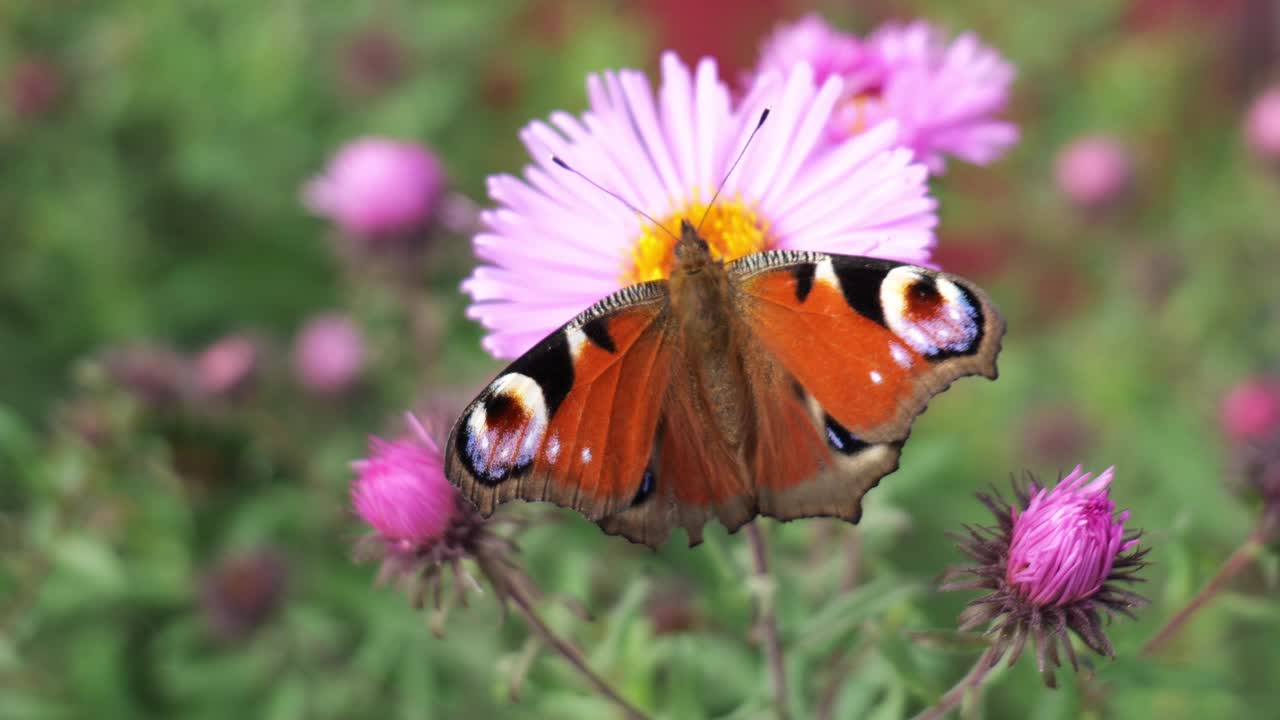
[[157, 201]]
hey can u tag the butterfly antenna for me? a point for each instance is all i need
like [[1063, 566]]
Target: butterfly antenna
[[556, 159], [763, 116]]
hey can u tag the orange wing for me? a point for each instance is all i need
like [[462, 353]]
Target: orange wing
[[573, 420], [868, 343], [871, 340]]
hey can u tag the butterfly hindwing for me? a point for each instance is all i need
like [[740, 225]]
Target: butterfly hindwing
[[571, 421]]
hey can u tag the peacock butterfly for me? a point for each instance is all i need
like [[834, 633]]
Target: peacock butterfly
[[783, 383]]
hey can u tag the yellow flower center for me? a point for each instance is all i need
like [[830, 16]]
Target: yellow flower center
[[858, 111], [732, 229]]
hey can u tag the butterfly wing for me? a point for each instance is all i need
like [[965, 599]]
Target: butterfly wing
[[572, 421], [695, 475], [868, 342]]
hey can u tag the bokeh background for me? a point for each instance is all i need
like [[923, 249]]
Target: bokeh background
[[171, 550]]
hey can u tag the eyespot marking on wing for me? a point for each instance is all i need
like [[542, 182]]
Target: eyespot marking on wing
[[932, 314], [504, 430]]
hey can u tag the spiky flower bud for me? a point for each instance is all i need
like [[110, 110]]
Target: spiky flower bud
[[1052, 563]]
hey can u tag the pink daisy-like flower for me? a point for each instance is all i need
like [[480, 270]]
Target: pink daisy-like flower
[[945, 94], [1053, 564], [555, 244]]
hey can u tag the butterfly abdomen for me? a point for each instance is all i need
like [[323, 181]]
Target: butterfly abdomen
[[701, 300]]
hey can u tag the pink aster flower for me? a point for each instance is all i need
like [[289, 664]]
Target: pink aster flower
[[945, 93], [329, 354], [1052, 563], [555, 244], [375, 188]]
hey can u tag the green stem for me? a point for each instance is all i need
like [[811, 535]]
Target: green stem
[[1243, 556], [570, 653], [767, 621], [956, 694]]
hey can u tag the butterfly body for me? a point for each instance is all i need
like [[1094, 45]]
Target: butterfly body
[[782, 383]]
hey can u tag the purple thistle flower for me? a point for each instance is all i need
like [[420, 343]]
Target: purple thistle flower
[[945, 93], [1052, 563], [376, 189], [556, 244], [422, 526], [401, 491]]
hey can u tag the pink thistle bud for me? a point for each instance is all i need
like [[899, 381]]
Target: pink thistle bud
[[1262, 125], [1251, 410], [401, 491], [376, 188], [422, 527], [1094, 172], [1053, 563], [329, 354], [1066, 541], [227, 366]]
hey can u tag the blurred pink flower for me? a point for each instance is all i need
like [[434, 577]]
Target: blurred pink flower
[[372, 62], [1052, 565], [376, 188], [556, 244], [242, 592], [329, 354], [401, 491], [227, 366], [1251, 410], [1094, 172], [154, 374], [1066, 540], [35, 88], [1262, 125], [945, 93]]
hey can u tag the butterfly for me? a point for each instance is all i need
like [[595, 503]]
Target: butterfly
[[783, 383]]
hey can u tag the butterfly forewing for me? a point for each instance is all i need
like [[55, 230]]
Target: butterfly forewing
[[572, 421]]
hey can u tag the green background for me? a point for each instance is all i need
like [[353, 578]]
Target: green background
[[158, 202]]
